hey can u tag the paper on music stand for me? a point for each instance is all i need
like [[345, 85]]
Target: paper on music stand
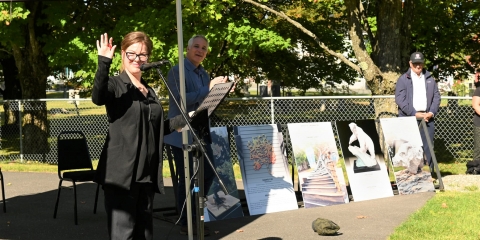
[[218, 92]]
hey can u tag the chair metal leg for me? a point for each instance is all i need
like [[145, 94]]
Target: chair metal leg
[[58, 198], [96, 200], [3, 193], [75, 207]]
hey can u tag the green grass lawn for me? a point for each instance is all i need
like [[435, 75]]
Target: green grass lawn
[[55, 95], [448, 215], [15, 166]]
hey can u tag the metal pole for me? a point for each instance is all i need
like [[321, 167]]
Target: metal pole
[[198, 165], [20, 109], [272, 110], [181, 70]]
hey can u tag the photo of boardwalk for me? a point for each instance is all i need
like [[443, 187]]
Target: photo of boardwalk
[[316, 157]]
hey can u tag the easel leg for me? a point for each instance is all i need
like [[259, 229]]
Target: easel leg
[[434, 159]]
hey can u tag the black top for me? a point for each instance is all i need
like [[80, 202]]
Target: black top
[[134, 143], [146, 150], [476, 117]]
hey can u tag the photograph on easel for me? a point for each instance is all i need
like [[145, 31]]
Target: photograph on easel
[[364, 161], [264, 166], [317, 161], [219, 205], [405, 150]]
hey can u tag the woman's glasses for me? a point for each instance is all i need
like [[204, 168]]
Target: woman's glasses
[[132, 56]]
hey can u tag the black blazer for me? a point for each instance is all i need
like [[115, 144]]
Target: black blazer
[[119, 153]]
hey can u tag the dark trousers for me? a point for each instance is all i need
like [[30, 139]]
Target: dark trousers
[[209, 176], [426, 149], [129, 212], [476, 143]]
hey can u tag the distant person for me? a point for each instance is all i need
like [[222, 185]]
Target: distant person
[[130, 165], [476, 78], [476, 124], [416, 94], [269, 88]]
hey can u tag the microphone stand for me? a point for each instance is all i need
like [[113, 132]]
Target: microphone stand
[[199, 152]]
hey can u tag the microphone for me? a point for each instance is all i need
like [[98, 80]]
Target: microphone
[[147, 66]]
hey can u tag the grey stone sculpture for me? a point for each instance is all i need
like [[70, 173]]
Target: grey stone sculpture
[[325, 227]]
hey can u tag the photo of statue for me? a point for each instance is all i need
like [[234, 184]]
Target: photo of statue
[[364, 161], [407, 154], [405, 150], [364, 153]]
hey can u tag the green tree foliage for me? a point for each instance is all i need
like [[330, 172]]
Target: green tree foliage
[[246, 40], [303, 64], [447, 33], [384, 33]]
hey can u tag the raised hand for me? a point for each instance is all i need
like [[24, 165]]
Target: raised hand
[[105, 46]]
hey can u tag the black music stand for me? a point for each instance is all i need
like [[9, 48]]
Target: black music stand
[[199, 123]]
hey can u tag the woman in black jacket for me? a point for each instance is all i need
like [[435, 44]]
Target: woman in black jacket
[[130, 166]]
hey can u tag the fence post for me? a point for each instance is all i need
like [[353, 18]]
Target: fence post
[[272, 110], [20, 109]]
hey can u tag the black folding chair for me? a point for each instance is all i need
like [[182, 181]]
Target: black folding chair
[[3, 192], [74, 164]]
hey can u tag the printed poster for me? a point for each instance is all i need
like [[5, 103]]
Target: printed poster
[[364, 162], [221, 206], [264, 166], [317, 160], [405, 149]]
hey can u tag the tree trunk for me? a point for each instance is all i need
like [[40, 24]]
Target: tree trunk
[[33, 71], [380, 76], [386, 51], [406, 34], [370, 71], [12, 91], [35, 128]]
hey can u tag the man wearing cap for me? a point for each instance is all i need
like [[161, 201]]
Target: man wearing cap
[[416, 94]]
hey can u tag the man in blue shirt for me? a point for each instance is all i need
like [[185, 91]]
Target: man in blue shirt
[[197, 87]]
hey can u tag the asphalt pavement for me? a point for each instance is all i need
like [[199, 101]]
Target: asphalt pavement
[[30, 202]]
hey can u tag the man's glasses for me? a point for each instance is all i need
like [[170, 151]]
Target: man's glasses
[[132, 56]]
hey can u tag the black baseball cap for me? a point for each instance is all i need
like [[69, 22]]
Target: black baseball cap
[[417, 57]]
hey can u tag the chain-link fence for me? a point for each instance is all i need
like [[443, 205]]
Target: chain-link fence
[[29, 127]]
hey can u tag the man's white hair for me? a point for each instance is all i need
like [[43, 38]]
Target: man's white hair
[[190, 41]]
